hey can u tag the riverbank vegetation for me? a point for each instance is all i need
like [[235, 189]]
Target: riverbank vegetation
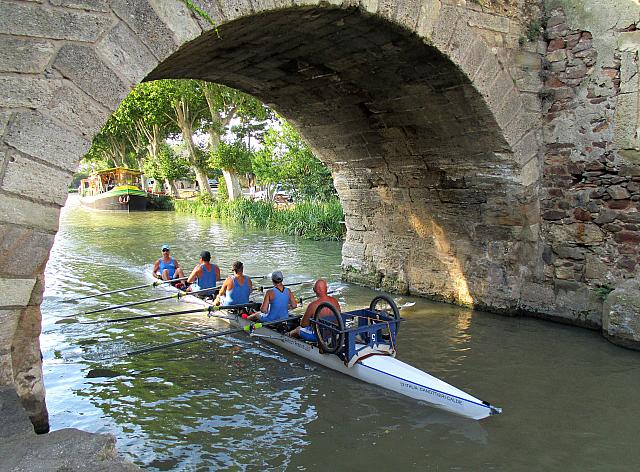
[[194, 138], [309, 219]]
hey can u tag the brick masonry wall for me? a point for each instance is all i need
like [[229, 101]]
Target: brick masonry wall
[[590, 198]]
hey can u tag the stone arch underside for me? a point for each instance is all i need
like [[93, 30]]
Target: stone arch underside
[[433, 154], [436, 199]]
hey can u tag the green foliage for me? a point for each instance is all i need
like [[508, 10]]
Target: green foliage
[[533, 30], [312, 220], [286, 158], [168, 165], [199, 11], [235, 156], [604, 291], [223, 194], [159, 202]]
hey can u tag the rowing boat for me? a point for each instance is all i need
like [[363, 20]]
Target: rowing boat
[[383, 370]]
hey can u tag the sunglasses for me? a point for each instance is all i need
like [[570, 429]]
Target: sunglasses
[[165, 250]]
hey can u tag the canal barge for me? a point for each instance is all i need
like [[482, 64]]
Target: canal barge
[[360, 344], [115, 189]]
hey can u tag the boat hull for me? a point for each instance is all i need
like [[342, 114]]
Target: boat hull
[[117, 200], [384, 371]]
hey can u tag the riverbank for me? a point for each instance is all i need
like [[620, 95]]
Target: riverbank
[[310, 220]]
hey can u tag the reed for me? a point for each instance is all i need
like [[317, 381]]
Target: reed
[[309, 219]]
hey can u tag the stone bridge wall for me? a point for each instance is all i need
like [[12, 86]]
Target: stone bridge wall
[[462, 175]]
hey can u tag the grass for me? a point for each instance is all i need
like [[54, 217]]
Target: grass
[[311, 220]]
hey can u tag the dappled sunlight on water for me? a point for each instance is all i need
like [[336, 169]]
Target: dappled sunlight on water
[[232, 403]]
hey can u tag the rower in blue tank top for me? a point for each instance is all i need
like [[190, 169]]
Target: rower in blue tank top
[[236, 288], [204, 275], [167, 267], [277, 301]]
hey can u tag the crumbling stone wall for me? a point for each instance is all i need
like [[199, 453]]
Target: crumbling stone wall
[[591, 177]]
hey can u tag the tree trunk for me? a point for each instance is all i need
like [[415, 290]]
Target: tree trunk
[[185, 122], [143, 178], [171, 185], [233, 184]]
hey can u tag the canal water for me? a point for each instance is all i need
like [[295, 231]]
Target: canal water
[[571, 400]]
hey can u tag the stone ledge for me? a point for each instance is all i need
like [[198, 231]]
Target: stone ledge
[[16, 292], [67, 449]]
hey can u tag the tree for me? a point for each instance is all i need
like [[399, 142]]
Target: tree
[[225, 104], [286, 158]]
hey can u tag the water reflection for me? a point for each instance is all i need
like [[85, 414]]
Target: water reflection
[[569, 397]]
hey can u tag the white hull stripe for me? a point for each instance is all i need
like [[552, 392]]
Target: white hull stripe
[[424, 386]]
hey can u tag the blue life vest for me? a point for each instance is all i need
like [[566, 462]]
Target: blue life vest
[[208, 278], [170, 266], [279, 305], [238, 294]]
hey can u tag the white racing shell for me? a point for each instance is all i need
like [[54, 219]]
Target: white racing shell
[[384, 371]]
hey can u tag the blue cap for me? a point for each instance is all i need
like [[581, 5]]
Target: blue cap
[[166, 246]]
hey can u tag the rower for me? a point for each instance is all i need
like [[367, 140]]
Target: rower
[[305, 330], [236, 288], [277, 301], [167, 267], [204, 275]]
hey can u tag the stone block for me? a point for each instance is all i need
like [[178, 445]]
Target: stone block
[[84, 68], [4, 119], [76, 109], [24, 54], [627, 121], [35, 180], [25, 91], [23, 252], [620, 320], [445, 27], [528, 147], [126, 54], [407, 13], [147, 24], [9, 323], [487, 21], [91, 5], [530, 172], [475, 57], [587, 234], [15, 292], [41, 137], [429, 15], [522, 124], [178, 18], [18, 211], [15, 424], [33, 20]]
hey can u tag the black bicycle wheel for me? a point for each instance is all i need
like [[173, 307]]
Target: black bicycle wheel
[[384, 305], [329, 328]]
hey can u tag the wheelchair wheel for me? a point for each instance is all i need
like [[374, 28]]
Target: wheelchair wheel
[[329, 328], [383, 305]]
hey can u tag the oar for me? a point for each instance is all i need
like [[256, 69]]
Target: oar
[[247, 328], [178, 295], [152, 284], [208, 309]]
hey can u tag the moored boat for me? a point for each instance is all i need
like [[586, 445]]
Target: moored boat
[[116, 189], [361, 344]]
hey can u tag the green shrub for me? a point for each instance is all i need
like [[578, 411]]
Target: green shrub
[[312, 220]]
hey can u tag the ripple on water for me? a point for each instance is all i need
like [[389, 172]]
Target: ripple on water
[[234, 404]]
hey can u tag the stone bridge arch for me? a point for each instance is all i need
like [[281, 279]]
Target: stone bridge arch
[[433, 150]]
